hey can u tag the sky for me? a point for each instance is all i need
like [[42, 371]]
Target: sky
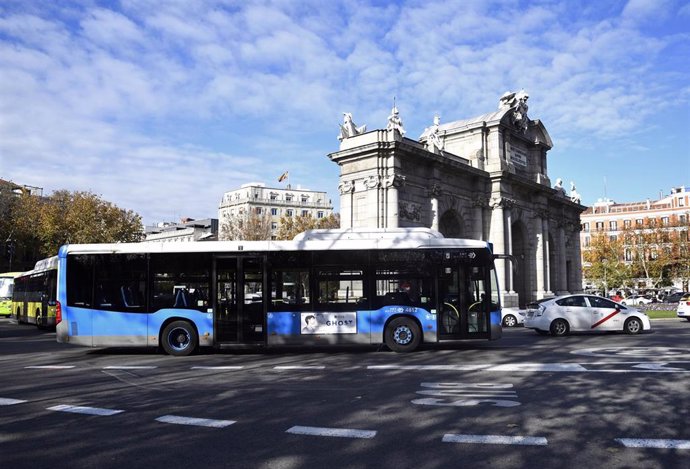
[[161, 106]]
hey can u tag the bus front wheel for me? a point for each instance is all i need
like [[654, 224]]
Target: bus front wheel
[[403, 335], [179, 339]]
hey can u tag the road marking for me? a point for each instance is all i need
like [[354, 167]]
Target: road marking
[[84, 410], [654, 443], [8, 401], [337, 432], [299, 367], [429, 367], [228, 367], [49, 367], [572, 367], [495, 439], [129, 367], [199, 422]]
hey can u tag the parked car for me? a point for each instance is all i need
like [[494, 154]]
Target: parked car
[[683, 310], [637, 300], [512, 317], [564, 314], [674, 297]]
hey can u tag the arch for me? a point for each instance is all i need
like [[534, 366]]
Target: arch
[[522, 279], [450, 224]]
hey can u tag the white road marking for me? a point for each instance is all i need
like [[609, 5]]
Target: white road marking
[[299, 367], [495, 439], [337, 432], [429, 367], [8, 401], [84, 410], [538, 367], [129, 367], [199, 422], [227, 367], [654, 443], [49, 367]]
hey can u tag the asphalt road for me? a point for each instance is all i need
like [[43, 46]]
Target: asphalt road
[[526, 401]]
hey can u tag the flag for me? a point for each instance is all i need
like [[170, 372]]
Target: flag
[[283, 176]]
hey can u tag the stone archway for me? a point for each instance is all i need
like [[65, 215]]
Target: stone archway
[[450, 224], [521, 278]]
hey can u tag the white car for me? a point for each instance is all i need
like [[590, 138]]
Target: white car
[[683, 310], [571, 313], [512, 317], [636, 300]]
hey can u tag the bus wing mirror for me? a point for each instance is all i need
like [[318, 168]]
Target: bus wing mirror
[[508, 257]]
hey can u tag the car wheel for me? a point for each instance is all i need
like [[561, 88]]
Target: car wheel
[[403, 335], [560, 327], [633, 326], [509, 321], [179, 339]]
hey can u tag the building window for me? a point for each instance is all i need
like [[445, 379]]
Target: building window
[[681, 202], [664, 221], [274, 196], [274, 211], [288, 212], [613, 225], [628, 255], [639, 222], [319, 214], [613, 238], [258, 210], [600, 226], [288, 197], [627, 223], [305, 198], [274, 226], [305, 213], [587, 241]]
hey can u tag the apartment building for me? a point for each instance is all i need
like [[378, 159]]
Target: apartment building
[[671, 213], [273, 202]]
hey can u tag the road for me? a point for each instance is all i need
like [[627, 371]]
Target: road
[[614, 401]]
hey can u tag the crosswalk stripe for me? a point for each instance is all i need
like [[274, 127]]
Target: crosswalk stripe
[[84, 410], [199, 422]]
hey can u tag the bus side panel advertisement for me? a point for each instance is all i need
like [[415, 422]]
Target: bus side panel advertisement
[[328, 323]]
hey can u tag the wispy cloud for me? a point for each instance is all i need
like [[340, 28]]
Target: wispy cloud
[[163, 106]]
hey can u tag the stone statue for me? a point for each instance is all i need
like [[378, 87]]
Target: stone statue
[[348, 128], [574, 196], [559, 186], [517, 102], [395, 122], [433, 138]]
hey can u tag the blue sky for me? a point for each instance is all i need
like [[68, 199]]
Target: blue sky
[[162, 106]]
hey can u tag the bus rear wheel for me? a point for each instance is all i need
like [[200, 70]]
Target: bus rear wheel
[[403, 335], [179, 339]]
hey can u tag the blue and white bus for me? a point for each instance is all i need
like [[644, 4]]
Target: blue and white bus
[[401, 287]]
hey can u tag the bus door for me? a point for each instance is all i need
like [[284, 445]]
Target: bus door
[[240, 301], [462, 310]]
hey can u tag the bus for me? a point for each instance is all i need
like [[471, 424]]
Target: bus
[[34, 298], [398, 287], [6, 287]]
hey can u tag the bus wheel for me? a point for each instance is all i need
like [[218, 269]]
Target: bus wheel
[[403, 335], [179, 339]]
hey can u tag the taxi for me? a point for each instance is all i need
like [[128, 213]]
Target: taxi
[[683, 310], [579, 313]]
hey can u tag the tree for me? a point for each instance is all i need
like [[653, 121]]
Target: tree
[[248, 226], [604, 262], [292, 226], [43, 224]]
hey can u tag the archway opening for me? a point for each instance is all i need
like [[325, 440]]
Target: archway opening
[[450, 224]]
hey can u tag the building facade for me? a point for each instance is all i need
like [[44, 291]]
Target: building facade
[[669, 214], [272, 203], [482, 178], [186, 230]]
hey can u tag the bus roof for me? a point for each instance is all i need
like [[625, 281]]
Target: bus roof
[[313, 240]]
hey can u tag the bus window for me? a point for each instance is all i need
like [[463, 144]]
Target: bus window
[[340, 287], [180, 281], [290, 287], [80, 280], [120, 282], [403, 287]]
